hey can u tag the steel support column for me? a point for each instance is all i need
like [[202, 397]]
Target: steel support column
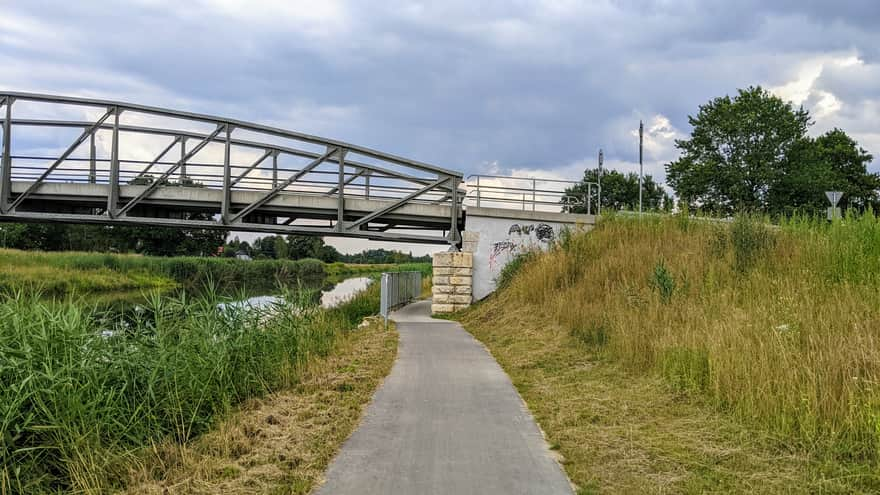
[[113, 195], [6, 160], [182, 158], [340, 189], [227, 177], [93, 163], [454, 236]]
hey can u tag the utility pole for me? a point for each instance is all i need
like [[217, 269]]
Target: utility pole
[[641, 139], [599, 181]]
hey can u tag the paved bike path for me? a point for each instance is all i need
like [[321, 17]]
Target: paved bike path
[[447, 420]]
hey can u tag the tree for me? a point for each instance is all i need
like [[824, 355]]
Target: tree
[[847, 165], [304, 246], [738, 150], [619, 191], [281, 249], [752, 152]]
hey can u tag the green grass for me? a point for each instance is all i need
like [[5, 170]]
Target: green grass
[[76, 406], [770, 333], [348, 269]]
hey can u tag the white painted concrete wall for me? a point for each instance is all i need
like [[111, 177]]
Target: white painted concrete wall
[[496, 236]]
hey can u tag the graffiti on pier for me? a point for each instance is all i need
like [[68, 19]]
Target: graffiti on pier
[[498, 248], [520, 238]]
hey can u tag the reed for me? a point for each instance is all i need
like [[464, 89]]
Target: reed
[[82, 395]]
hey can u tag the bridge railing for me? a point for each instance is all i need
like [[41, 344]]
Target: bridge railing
[[526, 193], [55, 139]]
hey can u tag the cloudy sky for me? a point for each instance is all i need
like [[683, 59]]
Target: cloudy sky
[[527, 88]]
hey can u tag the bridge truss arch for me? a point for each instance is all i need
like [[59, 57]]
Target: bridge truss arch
[[80, 160]]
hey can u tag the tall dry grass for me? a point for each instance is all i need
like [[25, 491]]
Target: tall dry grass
[[777, 325]]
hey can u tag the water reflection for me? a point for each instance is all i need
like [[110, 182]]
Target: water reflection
[[343, 291], [334, 296]]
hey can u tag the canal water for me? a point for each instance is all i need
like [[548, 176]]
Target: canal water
[[330, 297]]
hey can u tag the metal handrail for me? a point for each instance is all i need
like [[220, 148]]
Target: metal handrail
[[358, 171], [479, 192]]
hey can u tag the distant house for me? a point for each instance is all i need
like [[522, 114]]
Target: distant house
[[241, 255]]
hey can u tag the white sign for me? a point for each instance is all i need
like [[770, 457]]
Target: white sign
[[834, 197]]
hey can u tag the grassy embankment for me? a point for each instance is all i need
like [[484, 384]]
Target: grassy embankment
[[80, 273], [348, 269], [85, 411], [680, 356]]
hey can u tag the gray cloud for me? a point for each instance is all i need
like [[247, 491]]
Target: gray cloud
[[536, 86]]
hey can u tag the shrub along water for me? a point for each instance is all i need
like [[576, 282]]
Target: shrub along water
[[81, 395], [778, 326]]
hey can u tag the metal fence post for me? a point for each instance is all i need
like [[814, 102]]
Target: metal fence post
[[383, 298], [478, 191], [589, 198], [534, 186]]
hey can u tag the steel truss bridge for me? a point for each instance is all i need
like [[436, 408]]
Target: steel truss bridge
[[78, 160]]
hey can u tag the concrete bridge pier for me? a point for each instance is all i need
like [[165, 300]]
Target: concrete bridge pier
[[492, 238]]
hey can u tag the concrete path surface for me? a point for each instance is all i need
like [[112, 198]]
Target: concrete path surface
[[446, 420]]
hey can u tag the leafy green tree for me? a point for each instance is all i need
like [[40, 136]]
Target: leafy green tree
[[304, 246], [281, 249], [848, 169], [752, 152], [738, 150], [619, 192]]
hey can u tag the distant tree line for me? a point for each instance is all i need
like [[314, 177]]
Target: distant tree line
[[163, 241], [299, 247], [156, 241]]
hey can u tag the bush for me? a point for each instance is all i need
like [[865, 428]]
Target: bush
[[750, 237], [662, 281]]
